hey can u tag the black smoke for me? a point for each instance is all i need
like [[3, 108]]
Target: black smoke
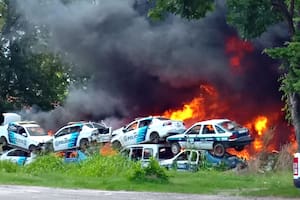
[[140, 67]]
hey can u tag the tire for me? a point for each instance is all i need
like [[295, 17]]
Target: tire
[[3, 141], [219, 150], [116, 145], [239, 148], [175, 148], [83, 145], [154, 138]]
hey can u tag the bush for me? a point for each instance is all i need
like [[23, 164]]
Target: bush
[[45, 164], [9, 167], [152, 173]]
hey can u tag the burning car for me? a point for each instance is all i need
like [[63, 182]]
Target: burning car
[[215, 134], [80, 135], [148, 129], [26, 135]]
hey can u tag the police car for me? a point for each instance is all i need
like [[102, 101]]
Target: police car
[[215, 134], [18, 156], [80, 135], [148, 129], [26, 135]]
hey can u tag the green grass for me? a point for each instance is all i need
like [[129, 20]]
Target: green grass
[[115, 173]]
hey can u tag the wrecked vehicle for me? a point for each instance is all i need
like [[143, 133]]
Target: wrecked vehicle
[[215, 135], [26, 135], [80, 135], [152, 129], [18, 156]]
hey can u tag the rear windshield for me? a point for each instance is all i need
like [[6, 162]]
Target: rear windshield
[[230, 125]]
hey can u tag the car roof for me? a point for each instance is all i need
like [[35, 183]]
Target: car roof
[[26, 123], [145, 145], [213, 121]]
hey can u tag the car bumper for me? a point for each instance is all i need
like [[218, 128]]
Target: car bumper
[[241, 141], [297, 182]]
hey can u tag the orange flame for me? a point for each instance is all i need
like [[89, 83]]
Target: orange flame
[[261, 124]]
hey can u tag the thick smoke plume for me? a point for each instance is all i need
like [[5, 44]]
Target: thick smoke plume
[[140, 67]]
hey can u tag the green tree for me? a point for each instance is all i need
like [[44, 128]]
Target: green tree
[[28, 75], [251, 18]]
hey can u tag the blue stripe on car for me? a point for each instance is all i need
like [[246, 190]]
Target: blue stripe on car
[[73, 140], [11, 137], [141, 136], [21, 160]]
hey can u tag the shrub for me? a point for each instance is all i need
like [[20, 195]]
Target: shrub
[[45, 164], [9, 167], [153, 172]]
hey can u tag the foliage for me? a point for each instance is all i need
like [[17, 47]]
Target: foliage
[[45, 164], [9, 167], [251, 18], [153, 172], [190, 9]]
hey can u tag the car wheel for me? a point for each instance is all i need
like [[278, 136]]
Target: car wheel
[[175, 148], [154, 137], [116, 145], [239, 148], [83, 144], [3, 141], [219, 150]]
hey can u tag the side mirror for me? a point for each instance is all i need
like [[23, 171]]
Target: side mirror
[[24, 134]]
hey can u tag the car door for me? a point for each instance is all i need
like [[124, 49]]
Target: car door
[[130, 134], [12, 134], [60, 141], [143, 127], [181, 162], [207, 137], [192, 137], [21, 137]]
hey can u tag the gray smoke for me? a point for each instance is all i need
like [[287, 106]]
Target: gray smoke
[[140, 67]]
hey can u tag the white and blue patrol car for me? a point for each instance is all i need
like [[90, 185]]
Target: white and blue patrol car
[[215, 134], [26, 135], [80, 135], [152, 129], [18, 156]]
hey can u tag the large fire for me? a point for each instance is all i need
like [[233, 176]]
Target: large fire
[[208, 105]]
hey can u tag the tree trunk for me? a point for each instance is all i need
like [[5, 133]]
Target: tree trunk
[[294, 100]]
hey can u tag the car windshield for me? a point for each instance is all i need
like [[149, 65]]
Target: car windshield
[[36, 131], [230, 125]]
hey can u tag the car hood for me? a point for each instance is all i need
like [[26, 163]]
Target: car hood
[[117, 131], [42, 139]]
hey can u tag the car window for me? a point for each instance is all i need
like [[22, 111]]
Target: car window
[[62, 132], [219, 129], [165, 153], [230, 125], [21, 130], [146, 122], [183, 156], [19, 153], [36, 131], [194, 130], [131, 127], [12, 128], [148, 153], [101, 128], [137, 154], [208, 129], [75, 129]]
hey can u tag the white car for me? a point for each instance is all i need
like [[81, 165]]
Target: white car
[[26, 135], [80, 135], [148, 129], [215, 134], [18, 156]]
